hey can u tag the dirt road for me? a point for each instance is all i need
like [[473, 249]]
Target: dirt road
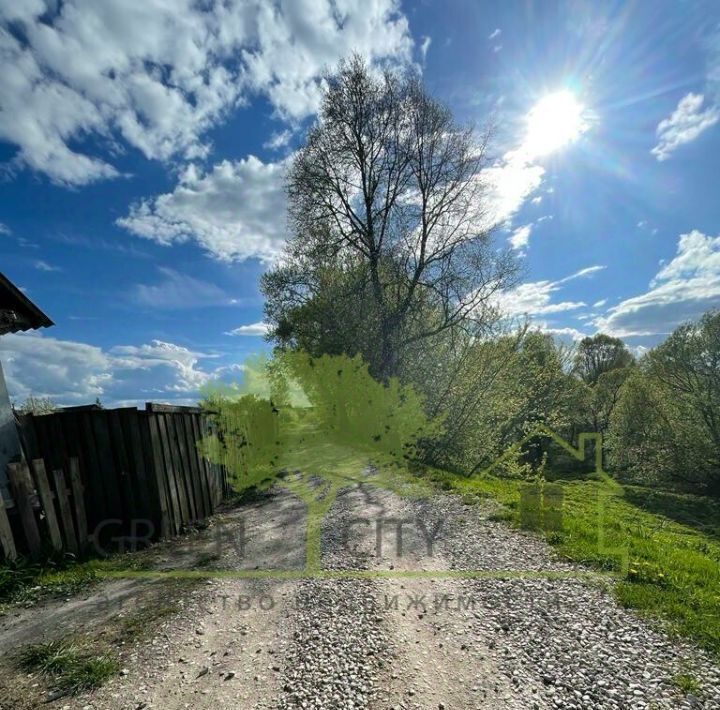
[[390, 628]]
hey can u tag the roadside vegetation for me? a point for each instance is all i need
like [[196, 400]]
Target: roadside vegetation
[[665, 561], [70, 669]]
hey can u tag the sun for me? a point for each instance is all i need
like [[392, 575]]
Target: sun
[[557, 120]]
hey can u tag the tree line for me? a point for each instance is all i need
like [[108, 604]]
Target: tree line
[[391, 259]]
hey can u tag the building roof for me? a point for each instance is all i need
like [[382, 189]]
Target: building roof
[[17, 311]]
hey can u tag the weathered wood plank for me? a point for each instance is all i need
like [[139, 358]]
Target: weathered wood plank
[[107, 472], [180, 478], [146, 505], [204, 467], [65, 512], [203, 511], [167, 521], [97, 494], [46, 498], [22, 488], [78, 491], [178, 499], [179, 433], [122, 467], [7, 541]]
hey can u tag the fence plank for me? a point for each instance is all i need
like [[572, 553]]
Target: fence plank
[[185, 463], [202, 462], [122, 466], [167, 519], [6, 537], [180, 478], [129, 418], [46, 498], [65, 512], [78, 491], [22, 488], [107, 470], [178, 500], [97, 505], [195, 467]]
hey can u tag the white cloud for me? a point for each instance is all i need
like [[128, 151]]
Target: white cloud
[[510, 182], [536, 200], [71, 372], [259, 328], [536, 297], [600, 303], [520, 238], [76, 373], [178, 291], [158, 75], [4, 229], [563, 334], [279, 139], [684, 125], [234, 212], [424, 47], [41, 265], [495, 33], [169, 367], [682, 290]]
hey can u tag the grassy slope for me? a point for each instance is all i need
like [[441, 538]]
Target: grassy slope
[[672, 543]]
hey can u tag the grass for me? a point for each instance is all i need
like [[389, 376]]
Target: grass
[[24, 582], [71, 669], [663, 547], [687, 683]]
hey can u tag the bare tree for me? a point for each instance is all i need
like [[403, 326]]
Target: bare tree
[[389, 188]]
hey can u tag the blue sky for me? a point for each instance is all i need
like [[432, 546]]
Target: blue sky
[[142, 150]]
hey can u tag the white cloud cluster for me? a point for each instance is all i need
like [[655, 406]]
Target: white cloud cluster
[[76, 373], [684, 125], [682, 290], [510, 182], [235, 211], [159, 74], [256, 329], [536, 297], [520, 237]]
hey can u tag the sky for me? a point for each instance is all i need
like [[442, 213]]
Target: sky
[[143, 145]]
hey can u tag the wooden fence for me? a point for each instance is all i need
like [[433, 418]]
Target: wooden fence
[[131, 473]]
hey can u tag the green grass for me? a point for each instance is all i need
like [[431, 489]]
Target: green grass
[[25, 582], [687, 683], [663, 547], [70, 669]]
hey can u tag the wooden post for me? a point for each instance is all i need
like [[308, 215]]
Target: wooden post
[[46, 499], [6, 536], [22, 488], [78, 491], [65, 512]]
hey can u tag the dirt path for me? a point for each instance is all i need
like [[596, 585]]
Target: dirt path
[[386, 640]]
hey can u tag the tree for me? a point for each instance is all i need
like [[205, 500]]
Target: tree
[[598, 355], [390, 225], [667, 424], [37, 405]]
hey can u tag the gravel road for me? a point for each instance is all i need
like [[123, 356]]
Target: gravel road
[[528, 633]]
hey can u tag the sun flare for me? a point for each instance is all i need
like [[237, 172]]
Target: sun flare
[[555, 121]]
